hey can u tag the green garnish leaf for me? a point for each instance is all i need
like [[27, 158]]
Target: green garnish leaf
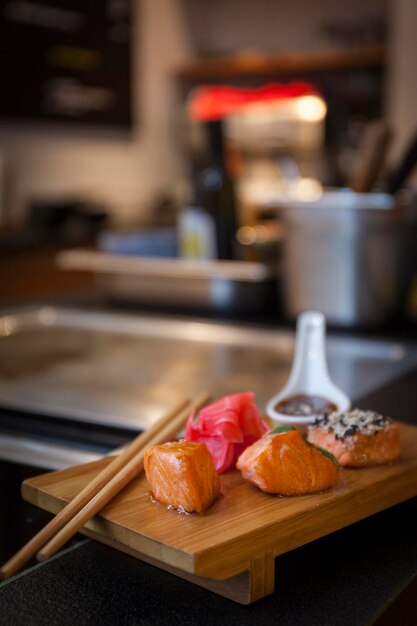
[[326, 453], [281, 429]]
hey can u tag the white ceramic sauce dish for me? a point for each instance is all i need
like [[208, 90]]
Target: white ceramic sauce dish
[[309, 374]]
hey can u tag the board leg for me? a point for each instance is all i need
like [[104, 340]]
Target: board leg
[[244, 588], [261, 577]]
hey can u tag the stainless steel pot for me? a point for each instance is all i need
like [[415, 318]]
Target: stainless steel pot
[[351, 256]]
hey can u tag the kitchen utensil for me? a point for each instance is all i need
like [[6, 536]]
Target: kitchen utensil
[[351, 256], [407, 163], [371, 157], [309, 374], [236, 541], [104, 486]]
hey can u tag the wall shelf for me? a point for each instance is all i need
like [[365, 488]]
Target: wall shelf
[[253, 64]]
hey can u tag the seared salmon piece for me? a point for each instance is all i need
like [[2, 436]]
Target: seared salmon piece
[[357, 438], [181, 475], [283, 462]]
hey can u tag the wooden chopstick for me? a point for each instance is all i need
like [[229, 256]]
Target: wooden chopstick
[[43, 536], [119, 481], [166, 426]]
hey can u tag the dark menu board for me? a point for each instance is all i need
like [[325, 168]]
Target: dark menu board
[[66, 60]]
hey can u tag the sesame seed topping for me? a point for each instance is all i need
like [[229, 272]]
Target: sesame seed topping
[[347, 424]]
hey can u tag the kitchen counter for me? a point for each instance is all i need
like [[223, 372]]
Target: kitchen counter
[[363, 574]]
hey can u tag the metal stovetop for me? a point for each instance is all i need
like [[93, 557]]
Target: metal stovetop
[[123, 371]]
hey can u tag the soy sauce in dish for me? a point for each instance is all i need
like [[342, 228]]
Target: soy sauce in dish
[[304, 404]]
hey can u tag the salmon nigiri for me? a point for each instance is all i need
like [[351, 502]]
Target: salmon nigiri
[[182, 476], [283, 462], [357, 438]]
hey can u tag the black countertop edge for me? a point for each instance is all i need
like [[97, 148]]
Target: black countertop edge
[[363, 574], [35, 567]]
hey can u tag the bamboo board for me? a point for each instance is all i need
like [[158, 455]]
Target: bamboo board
[[244, 530]]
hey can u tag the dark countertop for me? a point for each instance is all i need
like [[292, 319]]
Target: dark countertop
[[363, 574], [345, 579]]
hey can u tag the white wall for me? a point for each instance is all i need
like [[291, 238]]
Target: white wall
[[125, 170], [225, 26], [401, 94]]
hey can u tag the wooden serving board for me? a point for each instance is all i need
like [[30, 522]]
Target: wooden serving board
[[238, 538]]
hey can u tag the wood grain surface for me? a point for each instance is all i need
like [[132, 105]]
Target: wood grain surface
[[243, 526]]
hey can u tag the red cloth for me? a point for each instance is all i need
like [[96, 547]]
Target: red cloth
[[215, 102]]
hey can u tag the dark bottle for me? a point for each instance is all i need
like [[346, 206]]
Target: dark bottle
[[215, 191]]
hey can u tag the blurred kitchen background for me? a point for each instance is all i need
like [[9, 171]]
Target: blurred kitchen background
[[158, 133], [178, 180]]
